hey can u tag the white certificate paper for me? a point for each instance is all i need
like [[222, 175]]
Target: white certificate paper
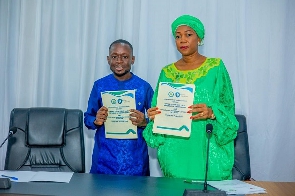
[[173, 102], [119, 104]]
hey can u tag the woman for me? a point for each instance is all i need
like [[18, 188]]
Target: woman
[[213, 103]]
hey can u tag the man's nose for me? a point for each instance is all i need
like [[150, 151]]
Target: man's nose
[[119, 59]]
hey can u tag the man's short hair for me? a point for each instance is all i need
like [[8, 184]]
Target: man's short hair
[[122, 41]]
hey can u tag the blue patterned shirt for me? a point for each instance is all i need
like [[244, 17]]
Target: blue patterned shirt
[[118, 156]]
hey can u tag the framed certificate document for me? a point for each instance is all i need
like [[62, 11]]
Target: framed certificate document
[[173, 102], [119, 104]]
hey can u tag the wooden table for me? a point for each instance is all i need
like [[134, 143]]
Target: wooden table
[[275, 188]]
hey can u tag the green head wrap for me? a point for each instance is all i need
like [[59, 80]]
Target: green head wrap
[[190, 21]]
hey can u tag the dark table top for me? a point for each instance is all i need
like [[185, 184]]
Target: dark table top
[[96, 184]]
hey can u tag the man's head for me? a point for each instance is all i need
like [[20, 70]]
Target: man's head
[[121, 58]]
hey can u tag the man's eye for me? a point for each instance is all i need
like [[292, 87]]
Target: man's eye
[[113, 57], [125, 57]]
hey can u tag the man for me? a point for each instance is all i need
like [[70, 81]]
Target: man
[[111, 155]]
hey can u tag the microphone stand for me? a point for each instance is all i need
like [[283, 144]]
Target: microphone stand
[[207, 160], [12, 131], [205, 191]]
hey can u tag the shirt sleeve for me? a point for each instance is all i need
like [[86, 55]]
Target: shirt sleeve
[[149, 96], [226, 124], [93, 106]]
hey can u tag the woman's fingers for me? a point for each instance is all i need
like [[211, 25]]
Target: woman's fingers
[[201, 110], [152, 112]]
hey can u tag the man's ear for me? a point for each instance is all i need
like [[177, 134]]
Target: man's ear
[[133, 60], [108, 59]]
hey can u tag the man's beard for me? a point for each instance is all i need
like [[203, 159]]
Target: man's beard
[[121, 74]]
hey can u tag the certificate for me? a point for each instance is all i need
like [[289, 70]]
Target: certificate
[[119, 104], [173, 102]]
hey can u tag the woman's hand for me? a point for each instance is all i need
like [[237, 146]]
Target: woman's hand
[[202, 110], [152, 112], [137, 118], [101, 116]]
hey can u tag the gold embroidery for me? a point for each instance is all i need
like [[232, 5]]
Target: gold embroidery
[[189, 77]]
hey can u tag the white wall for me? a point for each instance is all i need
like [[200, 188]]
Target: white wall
[[51, 52]]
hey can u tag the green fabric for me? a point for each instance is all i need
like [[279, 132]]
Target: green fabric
[[186, 157], [190, 21]]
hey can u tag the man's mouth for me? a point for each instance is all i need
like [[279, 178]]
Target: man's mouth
[[119, 68]]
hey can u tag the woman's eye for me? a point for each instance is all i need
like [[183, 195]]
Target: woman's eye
[[177, 37]]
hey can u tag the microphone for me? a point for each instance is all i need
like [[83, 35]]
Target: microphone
[[12, 131], [205, 191]]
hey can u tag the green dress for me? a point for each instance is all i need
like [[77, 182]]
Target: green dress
[[186, 157]]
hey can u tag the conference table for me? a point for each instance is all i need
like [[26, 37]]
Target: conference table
[[275, 188], [85, 184]]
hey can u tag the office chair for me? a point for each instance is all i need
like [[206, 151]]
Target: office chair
[[241, 169], [47, 139]]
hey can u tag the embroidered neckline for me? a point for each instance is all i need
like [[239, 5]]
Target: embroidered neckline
[[190, 76], [173, 64]]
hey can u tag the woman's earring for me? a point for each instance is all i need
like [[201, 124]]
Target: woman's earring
[[199, 43]]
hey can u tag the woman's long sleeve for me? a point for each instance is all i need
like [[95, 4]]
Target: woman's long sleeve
[[224, 108]]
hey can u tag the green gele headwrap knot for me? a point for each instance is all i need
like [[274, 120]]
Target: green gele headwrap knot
[[190, 21]]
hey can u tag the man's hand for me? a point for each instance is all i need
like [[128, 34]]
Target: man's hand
[[101, 116], [137, 118]]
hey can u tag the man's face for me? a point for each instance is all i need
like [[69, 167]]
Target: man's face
[[120, 60]]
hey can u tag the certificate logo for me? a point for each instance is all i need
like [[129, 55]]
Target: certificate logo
[[114, 101], [171, 94]]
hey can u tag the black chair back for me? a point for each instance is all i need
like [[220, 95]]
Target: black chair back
[[47, 139], [241, 169]]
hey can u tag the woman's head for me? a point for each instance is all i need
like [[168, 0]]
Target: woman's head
[[191, 22]]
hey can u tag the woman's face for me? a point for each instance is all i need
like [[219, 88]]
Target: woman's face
[[186, 40]]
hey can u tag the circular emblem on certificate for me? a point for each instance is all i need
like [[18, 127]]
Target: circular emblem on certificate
[[170, 94]]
